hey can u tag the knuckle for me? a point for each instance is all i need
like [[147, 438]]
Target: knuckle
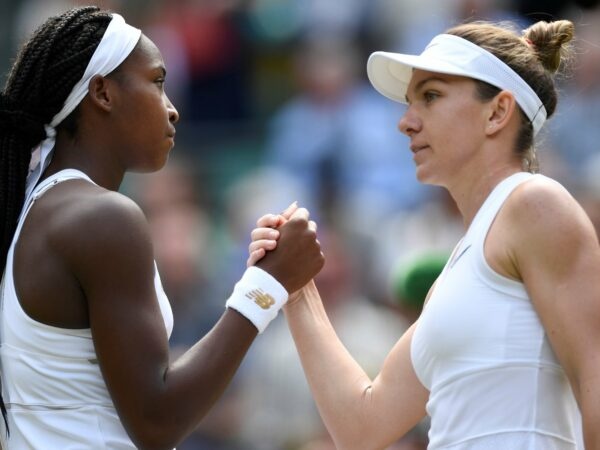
[[299, 222], [310, 234]]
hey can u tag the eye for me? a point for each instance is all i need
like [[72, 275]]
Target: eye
[[160, 82], [430, 96]]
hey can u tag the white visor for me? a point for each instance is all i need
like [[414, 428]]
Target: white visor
[[390, 73]]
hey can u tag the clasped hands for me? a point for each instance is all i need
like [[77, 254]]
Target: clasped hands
[[286, 246]]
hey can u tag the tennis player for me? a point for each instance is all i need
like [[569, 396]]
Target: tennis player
[[506, 352], [84, 321]]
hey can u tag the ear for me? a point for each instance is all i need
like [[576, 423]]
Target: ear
[[100, 92], [501, 110]]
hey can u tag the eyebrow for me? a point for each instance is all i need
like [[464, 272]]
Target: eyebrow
[[420, 84]]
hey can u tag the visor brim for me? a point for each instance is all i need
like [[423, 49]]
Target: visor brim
[[390, 73]]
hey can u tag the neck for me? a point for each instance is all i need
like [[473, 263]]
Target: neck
[[470, 193], [88, 156]]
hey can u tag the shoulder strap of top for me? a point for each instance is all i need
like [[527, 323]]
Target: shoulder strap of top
[[488, 211], [58, 177], [46, 184]]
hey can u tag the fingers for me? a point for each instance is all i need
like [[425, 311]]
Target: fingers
[[289, 211], [269, 221], [275, 220], [263, 239], [265, 244], [264, 233], [255, 256], [312, 226], [301, 258]]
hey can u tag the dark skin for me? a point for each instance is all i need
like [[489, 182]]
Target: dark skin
[[85, 259]]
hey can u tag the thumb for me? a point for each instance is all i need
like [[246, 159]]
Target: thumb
[[289, 211], [300, 213]]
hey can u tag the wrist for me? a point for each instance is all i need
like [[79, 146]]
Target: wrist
[[258, 296], [302, 297]]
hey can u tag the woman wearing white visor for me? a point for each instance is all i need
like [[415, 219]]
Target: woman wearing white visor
[[84, 321], [508, 345]]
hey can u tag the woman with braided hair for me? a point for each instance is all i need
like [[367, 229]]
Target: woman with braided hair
[[507, 347], [84, 322]]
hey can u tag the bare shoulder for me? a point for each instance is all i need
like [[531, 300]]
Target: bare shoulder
[[545, 203], [547, 219], [541, 195], [86, 221], [85, 204]]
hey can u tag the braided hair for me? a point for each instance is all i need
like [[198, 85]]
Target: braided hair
[[44, 73]]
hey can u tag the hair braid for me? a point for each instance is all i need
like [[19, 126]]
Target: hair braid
[[44, 73]]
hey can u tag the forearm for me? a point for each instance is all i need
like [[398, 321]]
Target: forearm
[[339, 385], [193, 383], [589, 403]]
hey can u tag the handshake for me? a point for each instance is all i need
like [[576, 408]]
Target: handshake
[[284, 256]]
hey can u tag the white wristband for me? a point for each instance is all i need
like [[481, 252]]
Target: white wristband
[[258, 297]]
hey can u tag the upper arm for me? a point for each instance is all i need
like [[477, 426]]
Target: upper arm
[[112, 258], [558, 257]]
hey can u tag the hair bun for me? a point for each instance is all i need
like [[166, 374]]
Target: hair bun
[[549, 41], [14, 119]]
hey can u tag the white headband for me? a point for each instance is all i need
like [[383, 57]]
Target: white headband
[[390, 73], [118, 42]]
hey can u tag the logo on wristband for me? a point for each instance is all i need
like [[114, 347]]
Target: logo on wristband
[[265, 301]]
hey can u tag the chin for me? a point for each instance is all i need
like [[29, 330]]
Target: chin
[[160, 164], [152, 166], [422, 175], [426, 177]]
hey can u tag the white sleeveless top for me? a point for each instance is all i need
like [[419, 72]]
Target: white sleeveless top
[[52, 384], [480, 349]]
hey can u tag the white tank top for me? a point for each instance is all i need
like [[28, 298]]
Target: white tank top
[[51, 381], [480, 349]]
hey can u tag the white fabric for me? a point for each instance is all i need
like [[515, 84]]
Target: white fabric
[[480, 349], [52, 383], [117, 43], [390, 73], [258, 296]]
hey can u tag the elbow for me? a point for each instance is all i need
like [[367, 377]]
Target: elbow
[[348, 444], [354, 438], [156, 434], [153, 441]]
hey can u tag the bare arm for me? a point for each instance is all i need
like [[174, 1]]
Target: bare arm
[[556, 252], [359, 413], [159, 402]]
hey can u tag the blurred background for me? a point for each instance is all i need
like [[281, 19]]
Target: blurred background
[[275, 107]]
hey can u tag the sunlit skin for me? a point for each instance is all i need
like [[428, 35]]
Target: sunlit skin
[[132, 106], [444, 122], [126, 123], [458, 141], [93, 256], [141, 97], [541, 237]]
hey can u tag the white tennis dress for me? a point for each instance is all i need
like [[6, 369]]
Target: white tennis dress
[[52, 384], [480, 349]]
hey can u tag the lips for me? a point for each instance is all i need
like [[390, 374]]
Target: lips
[[417, 147]]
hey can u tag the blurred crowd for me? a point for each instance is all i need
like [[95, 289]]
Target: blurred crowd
[[275, 107]]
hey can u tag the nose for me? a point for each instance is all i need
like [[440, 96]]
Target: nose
[[173, 113], [409, 123]]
